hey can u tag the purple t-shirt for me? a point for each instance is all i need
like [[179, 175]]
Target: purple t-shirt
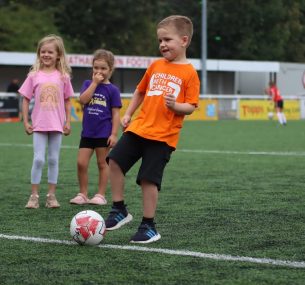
[[97, 114]]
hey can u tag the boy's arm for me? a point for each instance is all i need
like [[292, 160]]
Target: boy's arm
[[67, 126], [136, 101], [178, 108], [25, 114]]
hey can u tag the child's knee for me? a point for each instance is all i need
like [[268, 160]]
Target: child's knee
[[52, 161], [38, 162]]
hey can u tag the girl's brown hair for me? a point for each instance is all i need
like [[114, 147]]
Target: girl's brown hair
[[105, 55]]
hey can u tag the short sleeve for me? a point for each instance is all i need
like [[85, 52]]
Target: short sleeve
[[193, 89], [27, 88], [68, 91], [142, 86], [116, 101], [85, 85]]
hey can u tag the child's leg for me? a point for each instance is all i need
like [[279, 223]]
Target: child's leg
[[150, 198], [103, 168], [283, 118], [147, 232], [83, 159], [39, 146], [54, 144], [279, 116], [117, 180]]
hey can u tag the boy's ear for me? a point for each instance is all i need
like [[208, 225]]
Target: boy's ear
[[185, 40]]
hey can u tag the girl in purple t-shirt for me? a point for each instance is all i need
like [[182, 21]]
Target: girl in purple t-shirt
[[101, 120], [49, 84]]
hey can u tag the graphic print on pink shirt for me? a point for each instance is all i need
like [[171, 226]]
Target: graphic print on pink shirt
[[49, 96]]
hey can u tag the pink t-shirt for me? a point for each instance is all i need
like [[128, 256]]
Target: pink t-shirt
[[50, 90]]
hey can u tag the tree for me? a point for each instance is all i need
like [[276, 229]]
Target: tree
[[237, 29], [22, 27], [256, 30], [125, 27], [295, 48]]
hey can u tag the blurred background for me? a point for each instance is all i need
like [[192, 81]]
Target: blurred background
[[248, 43]]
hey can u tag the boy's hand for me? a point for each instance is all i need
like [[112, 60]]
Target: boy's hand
[[170, 100], [125, 121]]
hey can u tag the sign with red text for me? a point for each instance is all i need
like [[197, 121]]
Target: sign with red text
[[259, 109]]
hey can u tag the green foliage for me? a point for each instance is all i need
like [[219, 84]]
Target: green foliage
[[125, 27], [256, 30], [250, 30], [21, 27]]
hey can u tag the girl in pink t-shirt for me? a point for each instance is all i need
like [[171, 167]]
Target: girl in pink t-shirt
[[48, 83]]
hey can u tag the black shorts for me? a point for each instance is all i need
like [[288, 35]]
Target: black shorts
[[279, 104], [155, 155], [93, 143]]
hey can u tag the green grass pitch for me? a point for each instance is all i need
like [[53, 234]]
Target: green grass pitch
[[232, 189]]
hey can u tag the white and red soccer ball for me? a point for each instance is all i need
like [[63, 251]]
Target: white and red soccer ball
[[88, 228]]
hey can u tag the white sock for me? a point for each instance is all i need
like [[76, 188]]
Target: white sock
[[284, 118], [279, 116]]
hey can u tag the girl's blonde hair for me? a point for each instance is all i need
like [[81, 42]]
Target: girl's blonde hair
[[104, 55], [62, 63]]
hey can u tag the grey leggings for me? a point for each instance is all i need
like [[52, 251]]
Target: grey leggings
[[40, 142]]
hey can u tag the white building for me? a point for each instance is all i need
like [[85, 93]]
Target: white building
[[224, 76]]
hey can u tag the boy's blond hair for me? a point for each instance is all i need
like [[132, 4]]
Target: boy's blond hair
[[182, 24], [62, 64]]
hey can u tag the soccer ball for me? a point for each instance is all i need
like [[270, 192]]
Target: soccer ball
[[270, 115], [88, 228]]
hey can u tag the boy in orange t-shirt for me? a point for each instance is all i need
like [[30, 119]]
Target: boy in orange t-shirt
[[168, 91]]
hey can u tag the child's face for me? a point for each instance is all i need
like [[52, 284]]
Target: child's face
[[102, 67], [171, 45], [48, 55]]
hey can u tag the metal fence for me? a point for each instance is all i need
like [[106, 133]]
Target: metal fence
[[228, 105]]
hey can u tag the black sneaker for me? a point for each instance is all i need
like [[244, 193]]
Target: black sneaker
[[117, 218], [145, 234]]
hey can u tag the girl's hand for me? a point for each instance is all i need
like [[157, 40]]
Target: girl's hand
[[28, 128], [67, 129], [98, 78], [112, 140]]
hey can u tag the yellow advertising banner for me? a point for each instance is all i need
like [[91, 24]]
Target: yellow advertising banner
[[125, 103], [76, 110], [207, 110], [292, 109], [264, 110]]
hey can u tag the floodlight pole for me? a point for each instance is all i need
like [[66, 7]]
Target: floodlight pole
[[204, 31]]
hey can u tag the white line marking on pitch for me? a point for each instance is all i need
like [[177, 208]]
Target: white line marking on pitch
[[273, 153], [220, 257], [279, 153]]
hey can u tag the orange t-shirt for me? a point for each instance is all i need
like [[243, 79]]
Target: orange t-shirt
[[155, 121]]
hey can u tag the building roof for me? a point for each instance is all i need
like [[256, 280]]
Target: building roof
[[141, 62]]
